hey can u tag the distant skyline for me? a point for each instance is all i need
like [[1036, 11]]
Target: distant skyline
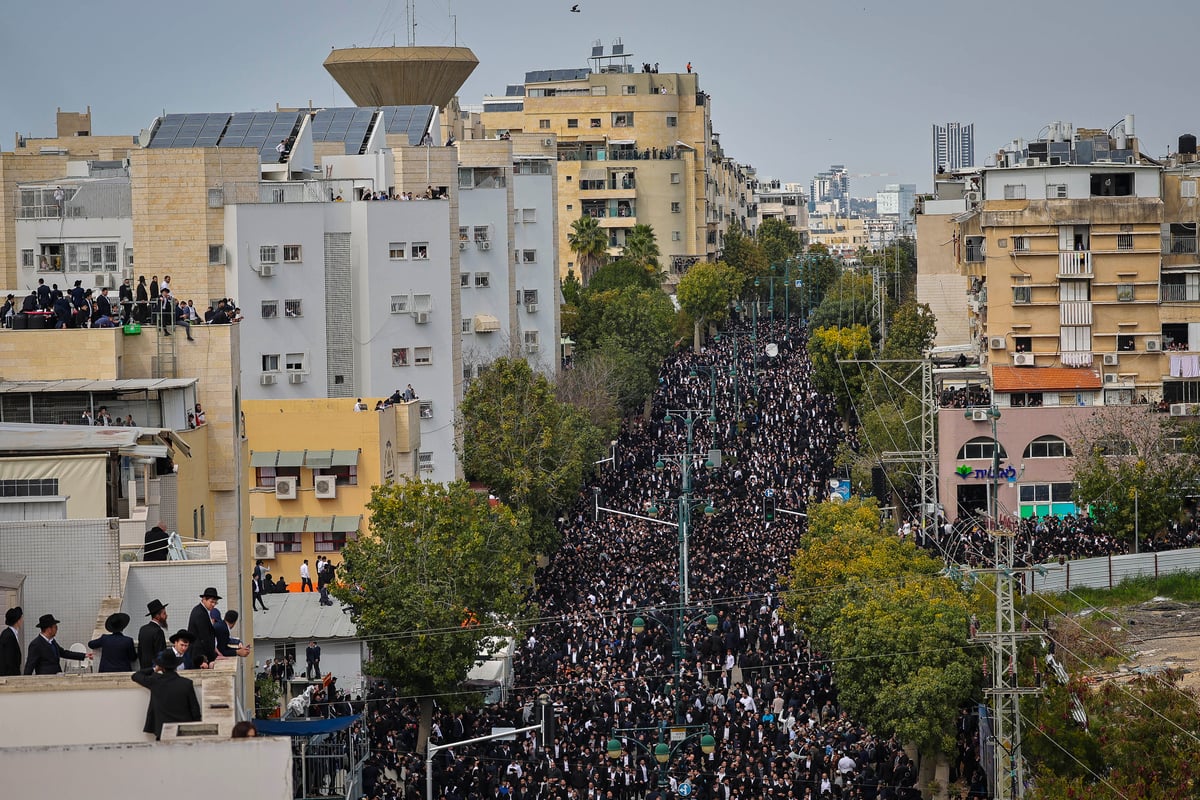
[[796, 86]]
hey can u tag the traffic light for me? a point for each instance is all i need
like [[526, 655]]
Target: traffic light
[[769, 507], [545, 717]]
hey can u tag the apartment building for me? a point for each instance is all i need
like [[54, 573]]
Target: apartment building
[[775, 199], [632, 147]]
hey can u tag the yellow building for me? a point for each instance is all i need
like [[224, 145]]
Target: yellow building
[[310, 472], [633, 148]]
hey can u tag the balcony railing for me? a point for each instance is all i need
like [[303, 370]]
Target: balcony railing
[[1075, 262], [1179, 245], [1179, 293], [314, 191], [90, 201]]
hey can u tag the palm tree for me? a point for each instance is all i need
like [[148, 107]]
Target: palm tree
[[641, 248], [589, 242]]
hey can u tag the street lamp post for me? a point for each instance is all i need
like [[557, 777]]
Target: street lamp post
[[662, 752]]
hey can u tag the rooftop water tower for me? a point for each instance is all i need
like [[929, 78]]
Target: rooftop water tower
[[401, 76]]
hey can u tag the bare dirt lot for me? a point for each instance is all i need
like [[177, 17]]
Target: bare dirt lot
[[1163, 633]]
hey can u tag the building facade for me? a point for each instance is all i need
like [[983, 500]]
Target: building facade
[[953, 146]]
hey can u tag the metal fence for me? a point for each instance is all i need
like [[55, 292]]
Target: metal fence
[[1106, 572], [106, 200], [314, 191]]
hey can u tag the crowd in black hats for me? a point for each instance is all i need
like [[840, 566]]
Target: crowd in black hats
[[769, 700]]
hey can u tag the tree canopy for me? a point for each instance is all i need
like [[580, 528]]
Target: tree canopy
[[826, 346], [589, 243], [641, 248], [708, 290], [525, 445], [442, 570]]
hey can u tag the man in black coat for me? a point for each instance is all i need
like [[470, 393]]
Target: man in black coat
[[152, 638], [172, 697], [155, 546], [10, 642], [125, 295], [201, 627], [117, 652], [44, 652]]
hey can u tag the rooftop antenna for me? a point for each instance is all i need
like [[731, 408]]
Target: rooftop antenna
[[411, 14]]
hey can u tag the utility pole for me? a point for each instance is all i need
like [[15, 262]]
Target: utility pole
[[880, 291]]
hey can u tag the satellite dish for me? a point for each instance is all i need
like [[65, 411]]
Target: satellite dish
[[772, 350]]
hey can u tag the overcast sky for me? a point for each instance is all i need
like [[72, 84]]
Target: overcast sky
[[795, 85]]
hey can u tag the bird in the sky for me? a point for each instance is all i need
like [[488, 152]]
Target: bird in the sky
[[575, 8]]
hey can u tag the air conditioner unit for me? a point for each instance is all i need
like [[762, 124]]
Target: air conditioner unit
[[267, 379], [266, 270], [1111, 360], [1152, 346], [285, 488], [462, 245], [547, 142], [979, 415], [422, 317], [326, 487], [1032, 162], [264, 551], [996, 342], [531, 307], [101, 280], [484, 245], [971, 197], [295, 377], [1112, 377], [1185, 409], [1022, 359], [531, 347]]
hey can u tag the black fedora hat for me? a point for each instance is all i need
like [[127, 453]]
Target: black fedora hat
[[47, 621], [211, 592], [13, 615], [168, 660], [154, 606], [184, 635], [116, 622]]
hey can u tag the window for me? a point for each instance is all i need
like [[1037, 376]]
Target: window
[[483, 280], [423, 356], [293, 308], [345, 474], [425, 461], [594, 122], [268, 254], [1023, 344], [396, 251], [1125, 292], [981, 447], [1056, 191], [291, 254], [1020, 244], [676, 236], [1047, 447], [622, 119], [399, 356], [1025, 399], [265, 476], [270, 309], [674, 177], [467, 325], [544, 124], [1125, 342], [26, 258], [29, 487], [294, 362], [270, 362], [1022, 295], [420, 251], [532, 341], [425, 409], [1112, 184], [572, 123], [464, 233], [974, 249], [1030, 493], [1118, 397], [1075, 337], [529, 296], [216, 254], [1074, 290], [1187, 188], [675, 208], [464, 280], [529, 256], [331, 541], [1124, 241], [528, 215], [672, 121], [422, 302], [399, 304], [216, 198], [1014, 191], [482, 233], [284, 543], [628, 89]]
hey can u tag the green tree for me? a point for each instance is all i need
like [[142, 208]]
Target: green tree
[[910, 332], [743, 254], [525, 445], [826, 346], [621, 273], [641, 248], [706, 292], [592, 385], [849, 301], [589, 243], [818, 271], [778, 240], [442, 571]]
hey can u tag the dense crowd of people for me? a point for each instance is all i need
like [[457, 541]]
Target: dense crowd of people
[[969, 396], [766, 696]]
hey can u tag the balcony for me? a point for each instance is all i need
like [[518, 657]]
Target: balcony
[[1180, 293], [1179, 245], [1075, 264]]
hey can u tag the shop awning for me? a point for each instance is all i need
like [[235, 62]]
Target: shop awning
[[593, 174], [277, 458], [486, 323]]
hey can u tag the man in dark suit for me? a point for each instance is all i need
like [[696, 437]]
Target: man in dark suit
[[172, 697], [155, 546], [312, 659], [201, 627], [44, 652], [102, 305], [117, 652], [152, 638], [10, 642]]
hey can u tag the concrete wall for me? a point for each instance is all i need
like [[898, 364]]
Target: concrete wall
[[184, 770], [72, 353], [939, 282]]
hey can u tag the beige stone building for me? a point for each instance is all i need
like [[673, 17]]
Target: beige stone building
[[633, 147]]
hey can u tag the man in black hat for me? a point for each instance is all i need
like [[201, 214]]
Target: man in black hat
[[152, 638], [172, 697], [44, 652], [10, 642], [201, 627], [181, 646], [117, 652]]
